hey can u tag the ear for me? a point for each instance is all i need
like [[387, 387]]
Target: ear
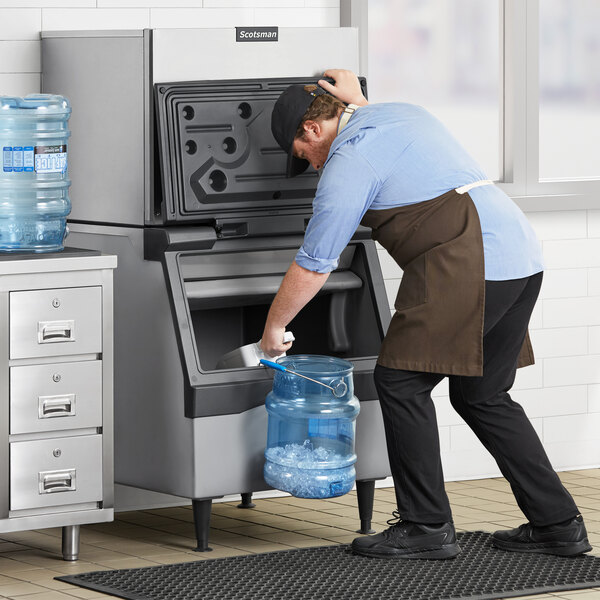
[[312, 129]]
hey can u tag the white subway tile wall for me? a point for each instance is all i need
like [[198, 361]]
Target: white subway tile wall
[[322, 3], [536, 321], [573, 253], [462, 438], [299, 17], [19, 57], [594, 398], [66, 19], [594, 223], [169, 18], [445, 439], [566, 283], [468, 464], [571, 312], [566, 339], [594, 340], [572, 370], [553, 401], [561, 341], [19, 84], [20, 23], [573, 225], [530, 377], [572, 453], [48, 3], [593, 282], [446, 415], [561, 393], [175, 4], [563, 429], [254, 3]]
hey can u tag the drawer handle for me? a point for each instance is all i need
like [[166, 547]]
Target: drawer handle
[[56, 331], [57, 481], [56, 406]]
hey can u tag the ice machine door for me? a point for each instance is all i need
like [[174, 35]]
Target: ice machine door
[[218, 157]]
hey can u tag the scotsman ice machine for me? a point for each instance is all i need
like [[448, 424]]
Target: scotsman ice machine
[[175, 170]]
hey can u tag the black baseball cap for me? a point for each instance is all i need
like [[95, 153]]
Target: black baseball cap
[[286, 117]]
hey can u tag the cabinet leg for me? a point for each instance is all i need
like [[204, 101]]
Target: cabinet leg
[[246, 501], [365, 492], [70, 542], [201, 510]]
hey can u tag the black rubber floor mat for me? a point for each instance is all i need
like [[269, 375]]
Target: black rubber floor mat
[[480, 572]]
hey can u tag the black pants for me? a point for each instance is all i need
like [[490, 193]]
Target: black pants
[[485, 405]]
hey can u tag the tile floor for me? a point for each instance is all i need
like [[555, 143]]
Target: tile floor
[[30, 560]]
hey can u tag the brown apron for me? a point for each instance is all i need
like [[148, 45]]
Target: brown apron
[[438, 323]]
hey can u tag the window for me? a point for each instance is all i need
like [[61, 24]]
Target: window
[[569, 89], [516, 81], [445, 56]]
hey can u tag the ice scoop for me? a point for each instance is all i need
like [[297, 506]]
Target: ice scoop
[[248, 355], [338, 390]]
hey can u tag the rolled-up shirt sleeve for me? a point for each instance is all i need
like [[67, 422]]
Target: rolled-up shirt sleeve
[[346, 190]]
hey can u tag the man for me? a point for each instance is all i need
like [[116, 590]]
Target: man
[[472, 273]]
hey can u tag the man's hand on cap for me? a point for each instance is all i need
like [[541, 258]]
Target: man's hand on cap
[[346, 88]]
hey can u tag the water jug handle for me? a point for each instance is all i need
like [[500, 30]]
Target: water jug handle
[[273, 365], [339, 388]]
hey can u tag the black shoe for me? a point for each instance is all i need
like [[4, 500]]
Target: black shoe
[[565, 539], [405, 539]]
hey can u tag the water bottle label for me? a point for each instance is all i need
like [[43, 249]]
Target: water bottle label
[[18, 159], [28, 159], [51, 159], [7, 159]]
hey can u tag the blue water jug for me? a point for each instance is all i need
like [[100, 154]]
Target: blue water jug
[[34, 200], [311, 430]]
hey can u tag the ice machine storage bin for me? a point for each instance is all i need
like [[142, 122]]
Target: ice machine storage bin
[[229, 295]]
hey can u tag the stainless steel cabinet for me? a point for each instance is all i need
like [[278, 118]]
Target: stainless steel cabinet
[[56, 396], [56, 372], [55, 472], [56, 322]]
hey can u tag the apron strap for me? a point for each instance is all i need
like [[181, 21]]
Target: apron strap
[[345, 117], [465, 188]]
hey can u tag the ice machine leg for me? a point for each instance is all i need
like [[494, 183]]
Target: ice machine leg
[[365, 493], [201, 510], [246, 501], [70, 542]]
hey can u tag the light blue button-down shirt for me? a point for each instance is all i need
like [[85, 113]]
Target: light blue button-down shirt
[[396, 154]]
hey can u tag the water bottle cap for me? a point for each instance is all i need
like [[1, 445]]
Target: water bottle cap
[[8, 102]]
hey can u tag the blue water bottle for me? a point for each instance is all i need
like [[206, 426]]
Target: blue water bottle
[[312, 419], [34, 200]]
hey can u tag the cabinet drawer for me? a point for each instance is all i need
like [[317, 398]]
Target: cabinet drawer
[[55, 322], [55, 472], [55, 397]]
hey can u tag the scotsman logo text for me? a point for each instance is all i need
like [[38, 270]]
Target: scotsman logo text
[[257, 34]]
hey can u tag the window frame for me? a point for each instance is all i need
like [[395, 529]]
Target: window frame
[[519, 109]]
